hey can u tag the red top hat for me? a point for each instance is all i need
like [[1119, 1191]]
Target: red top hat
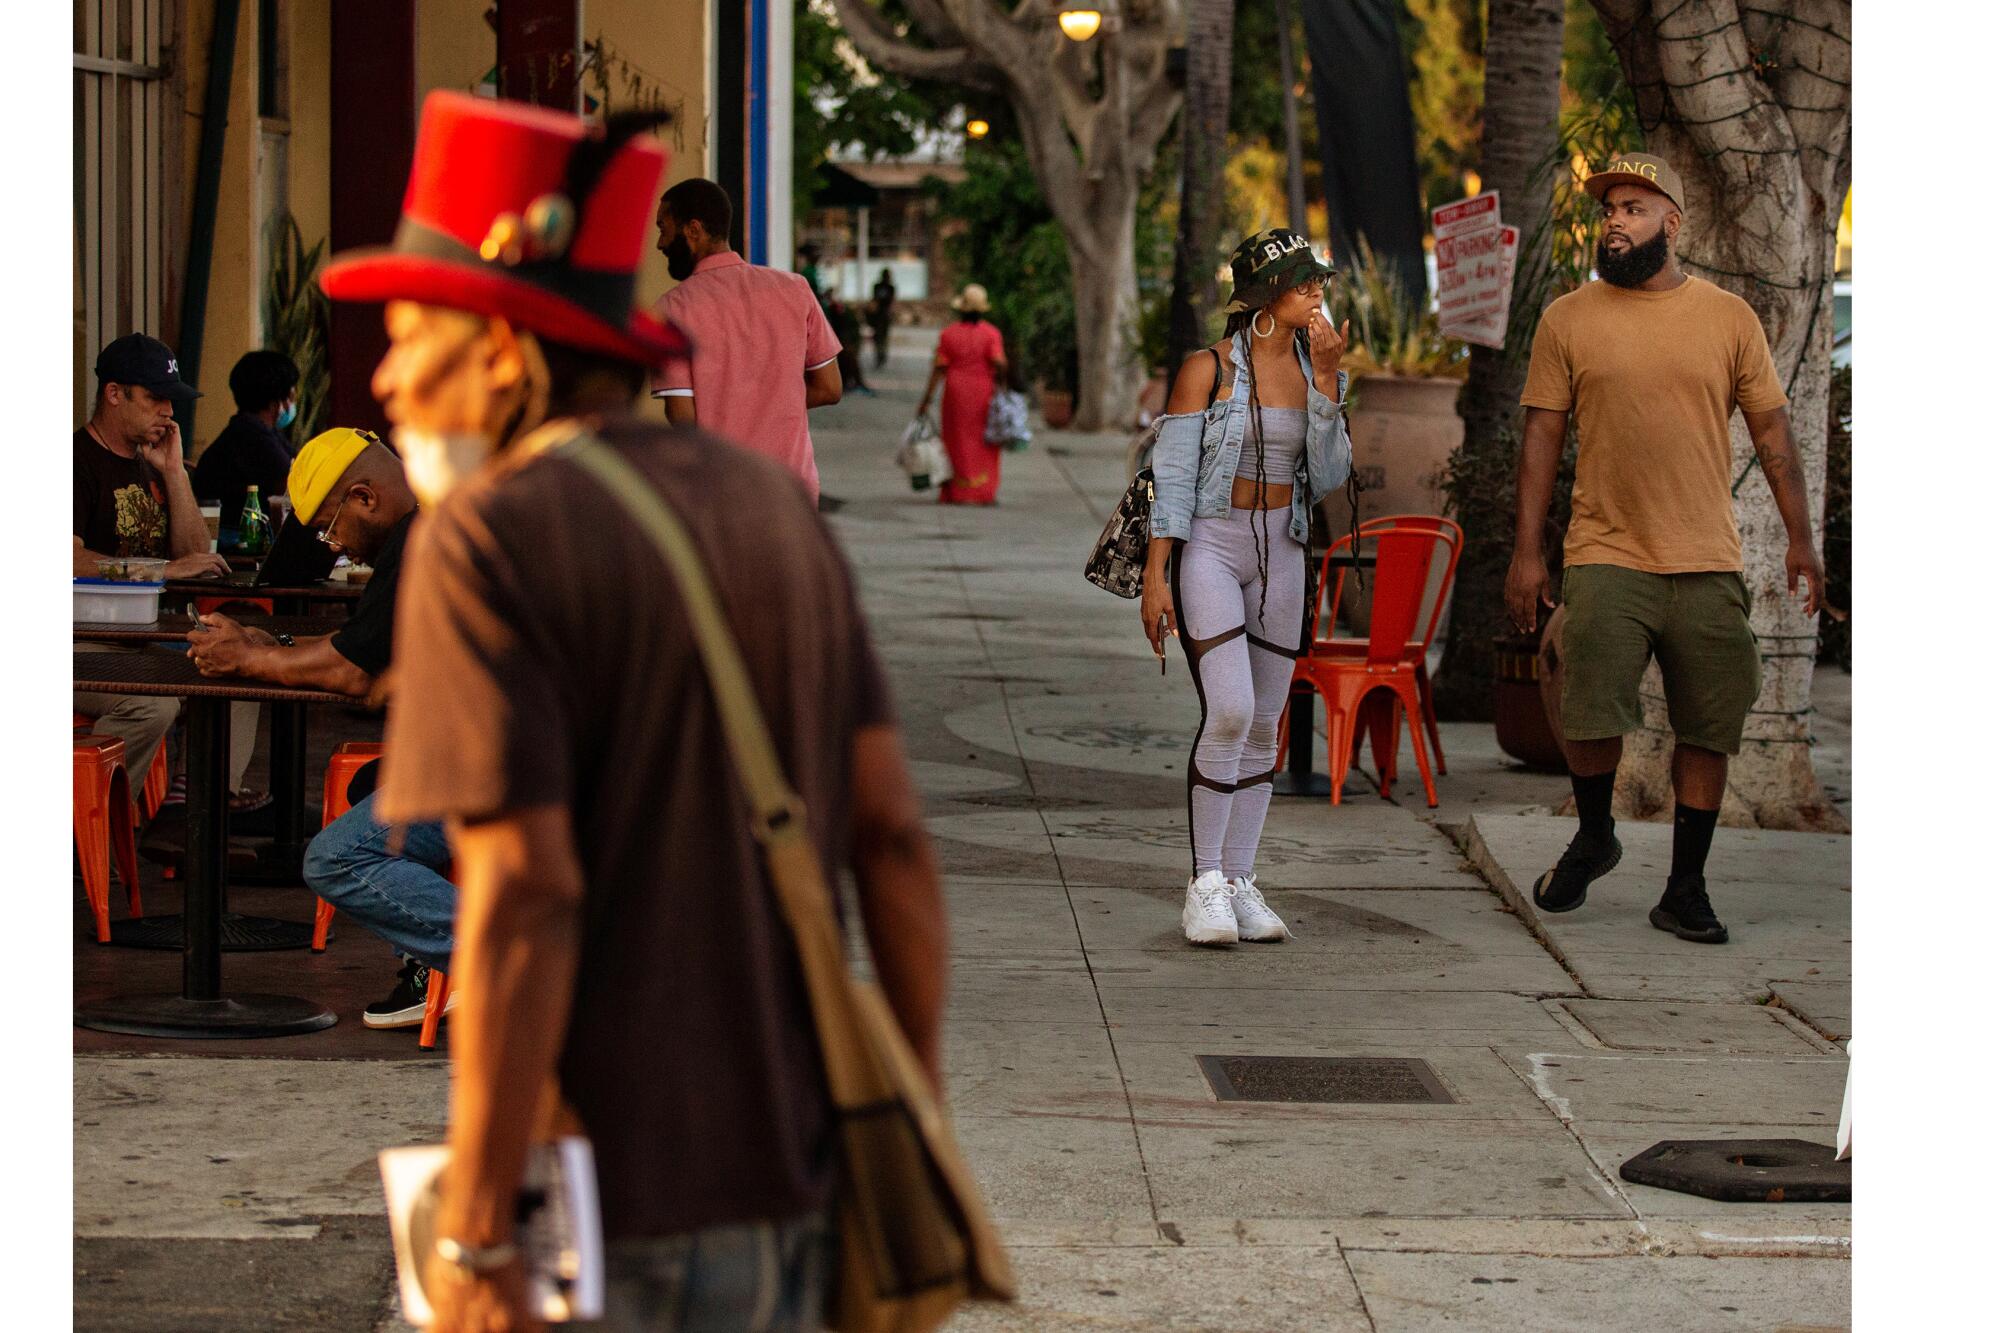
[[489, 226]]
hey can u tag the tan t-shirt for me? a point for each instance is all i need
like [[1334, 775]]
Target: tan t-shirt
[[1653, 378]]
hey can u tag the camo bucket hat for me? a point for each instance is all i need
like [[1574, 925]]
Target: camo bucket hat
[[1268, 265]]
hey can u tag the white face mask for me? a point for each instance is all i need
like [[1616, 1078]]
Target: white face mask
[[435, 463]]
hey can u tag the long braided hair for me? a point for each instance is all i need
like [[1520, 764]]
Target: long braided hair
[[1238, 324]]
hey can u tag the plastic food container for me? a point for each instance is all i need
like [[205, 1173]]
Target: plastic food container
[[115, 602], [132, 569]]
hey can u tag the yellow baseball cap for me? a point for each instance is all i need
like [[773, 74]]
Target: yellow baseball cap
[[322, 463]]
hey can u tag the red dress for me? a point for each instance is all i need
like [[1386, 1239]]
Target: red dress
[[966, 352]]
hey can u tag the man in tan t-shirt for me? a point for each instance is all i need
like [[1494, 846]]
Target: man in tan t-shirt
[[1653, 362]]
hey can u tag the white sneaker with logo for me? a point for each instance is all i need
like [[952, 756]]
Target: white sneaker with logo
[[1208, 917], [1254, 918]]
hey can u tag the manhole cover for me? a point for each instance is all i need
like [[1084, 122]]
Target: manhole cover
[[1306, 1078], [1744, 1170]]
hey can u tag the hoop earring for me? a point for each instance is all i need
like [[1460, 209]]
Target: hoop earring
[[1268, 315]]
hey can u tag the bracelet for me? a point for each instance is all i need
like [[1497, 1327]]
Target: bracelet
[[476, 1259]]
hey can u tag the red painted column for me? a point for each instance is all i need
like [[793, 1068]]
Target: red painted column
[[374, 134]]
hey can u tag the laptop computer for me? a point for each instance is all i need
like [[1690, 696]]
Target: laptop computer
[[298, 557]]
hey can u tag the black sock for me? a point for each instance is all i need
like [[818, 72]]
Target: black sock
[[1593, 803], [1693, 831]]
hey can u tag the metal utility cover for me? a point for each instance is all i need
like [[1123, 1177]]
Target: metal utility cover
[[1745, 1170], [1327, 1079]]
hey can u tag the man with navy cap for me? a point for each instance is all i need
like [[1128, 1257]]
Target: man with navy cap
[[133, 498]]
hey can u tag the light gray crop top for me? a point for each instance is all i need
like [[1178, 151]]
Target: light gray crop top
[[1284, 442]]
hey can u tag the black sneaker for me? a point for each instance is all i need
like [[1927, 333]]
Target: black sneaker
[[1684, 909], [1561, 888], [404, 1008]]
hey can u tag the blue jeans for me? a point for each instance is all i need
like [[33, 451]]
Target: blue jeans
[[759, 1277], [405, 899]]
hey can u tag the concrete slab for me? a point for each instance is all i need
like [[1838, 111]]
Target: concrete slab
[[1737, 1029], [1783, 895], [1323, 921], [1826, 1005], [1600, 1088], [1422, 1165], [996, 1069], [1366, 965], [1023, 990], [995, 917], [1503, 1293], [1275, 1289], [1332, 1012], [338, 1280], [192, 1148], [1068, 1168]]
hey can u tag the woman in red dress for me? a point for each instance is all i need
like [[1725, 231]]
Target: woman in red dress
[[971, 357]]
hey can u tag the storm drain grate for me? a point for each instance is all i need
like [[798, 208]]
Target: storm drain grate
[[1308, 1078]]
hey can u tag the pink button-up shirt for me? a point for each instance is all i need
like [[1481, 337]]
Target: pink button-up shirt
[[756, 332]]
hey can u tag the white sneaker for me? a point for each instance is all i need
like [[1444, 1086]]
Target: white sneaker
[[1208, 918], [1254, 918]]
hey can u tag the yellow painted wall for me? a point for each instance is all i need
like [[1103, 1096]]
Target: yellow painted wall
[[312, 130], [667, 42], [455, 48]]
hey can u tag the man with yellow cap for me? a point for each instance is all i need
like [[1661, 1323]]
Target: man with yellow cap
[[350, 490]]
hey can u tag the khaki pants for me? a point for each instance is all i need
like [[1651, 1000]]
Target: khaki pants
[[143, 721]]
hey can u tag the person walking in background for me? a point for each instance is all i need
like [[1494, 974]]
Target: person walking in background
[[618, 936], [971, 356], [764, 353], [252, 449], [1654, 362], [846, 324], [1226, 579], [881, 314]]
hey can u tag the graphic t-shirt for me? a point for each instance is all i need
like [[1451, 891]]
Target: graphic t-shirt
[[1653, 378], [119, 505]]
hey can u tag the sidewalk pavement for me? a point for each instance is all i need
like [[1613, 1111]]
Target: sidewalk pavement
[[1051, 752]]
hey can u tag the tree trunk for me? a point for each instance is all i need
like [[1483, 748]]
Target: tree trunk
[[1753, 108], [1091, 116], [1204, 141], [1104, 278], [1518, 149]]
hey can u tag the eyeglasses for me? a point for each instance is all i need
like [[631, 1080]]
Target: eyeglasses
[[325, 534], [1312, 287]]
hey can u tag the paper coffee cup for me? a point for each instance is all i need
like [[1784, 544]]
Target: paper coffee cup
[[212, 515]]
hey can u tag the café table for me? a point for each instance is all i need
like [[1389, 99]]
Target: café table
[[288, 723], [175, 626], [201, 1009]]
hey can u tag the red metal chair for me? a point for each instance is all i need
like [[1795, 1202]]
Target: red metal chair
[[158, 779], [1438, 593], [102, 814], [1346, 672], [348, 760]]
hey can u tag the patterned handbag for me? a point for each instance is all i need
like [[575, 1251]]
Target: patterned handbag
[[1117, 563], [1007, 420]]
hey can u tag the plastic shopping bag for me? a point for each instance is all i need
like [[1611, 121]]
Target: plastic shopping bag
[[1007, 420], [922, 456]]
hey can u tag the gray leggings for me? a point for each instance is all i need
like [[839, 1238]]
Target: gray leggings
[[1241, 660]]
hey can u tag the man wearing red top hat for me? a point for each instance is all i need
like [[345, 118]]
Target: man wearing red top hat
[[616, 931]]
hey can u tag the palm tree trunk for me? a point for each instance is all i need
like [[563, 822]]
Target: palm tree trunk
[[1204, 140], [1524, 47]]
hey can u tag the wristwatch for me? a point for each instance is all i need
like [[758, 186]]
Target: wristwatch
[[476, 1258], [284, 640]]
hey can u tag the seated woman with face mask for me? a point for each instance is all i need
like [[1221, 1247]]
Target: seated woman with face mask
[[253, 449]]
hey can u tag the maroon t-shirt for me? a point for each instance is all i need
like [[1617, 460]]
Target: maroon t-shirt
[[542, 657]]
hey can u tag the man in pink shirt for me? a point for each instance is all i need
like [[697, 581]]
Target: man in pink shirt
[[764, 352]]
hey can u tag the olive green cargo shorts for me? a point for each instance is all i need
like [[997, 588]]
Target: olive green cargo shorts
[[1698, 625]]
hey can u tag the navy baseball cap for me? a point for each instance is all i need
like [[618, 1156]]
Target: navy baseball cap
[[146, 362]]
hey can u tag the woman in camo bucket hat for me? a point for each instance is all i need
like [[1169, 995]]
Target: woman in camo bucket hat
[[1253, 429]]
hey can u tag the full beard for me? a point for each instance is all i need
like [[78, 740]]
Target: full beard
[[680, 259], [1637, 265]]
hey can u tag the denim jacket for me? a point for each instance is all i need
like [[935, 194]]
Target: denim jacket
[[1195, 455]]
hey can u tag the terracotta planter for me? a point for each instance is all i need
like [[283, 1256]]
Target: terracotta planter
[[1522, 721], [1057, 408], [1404, 429]]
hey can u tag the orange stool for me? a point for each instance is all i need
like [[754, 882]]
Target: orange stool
[[158, 778], [103, 818], [436, 995], [348, 760]]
